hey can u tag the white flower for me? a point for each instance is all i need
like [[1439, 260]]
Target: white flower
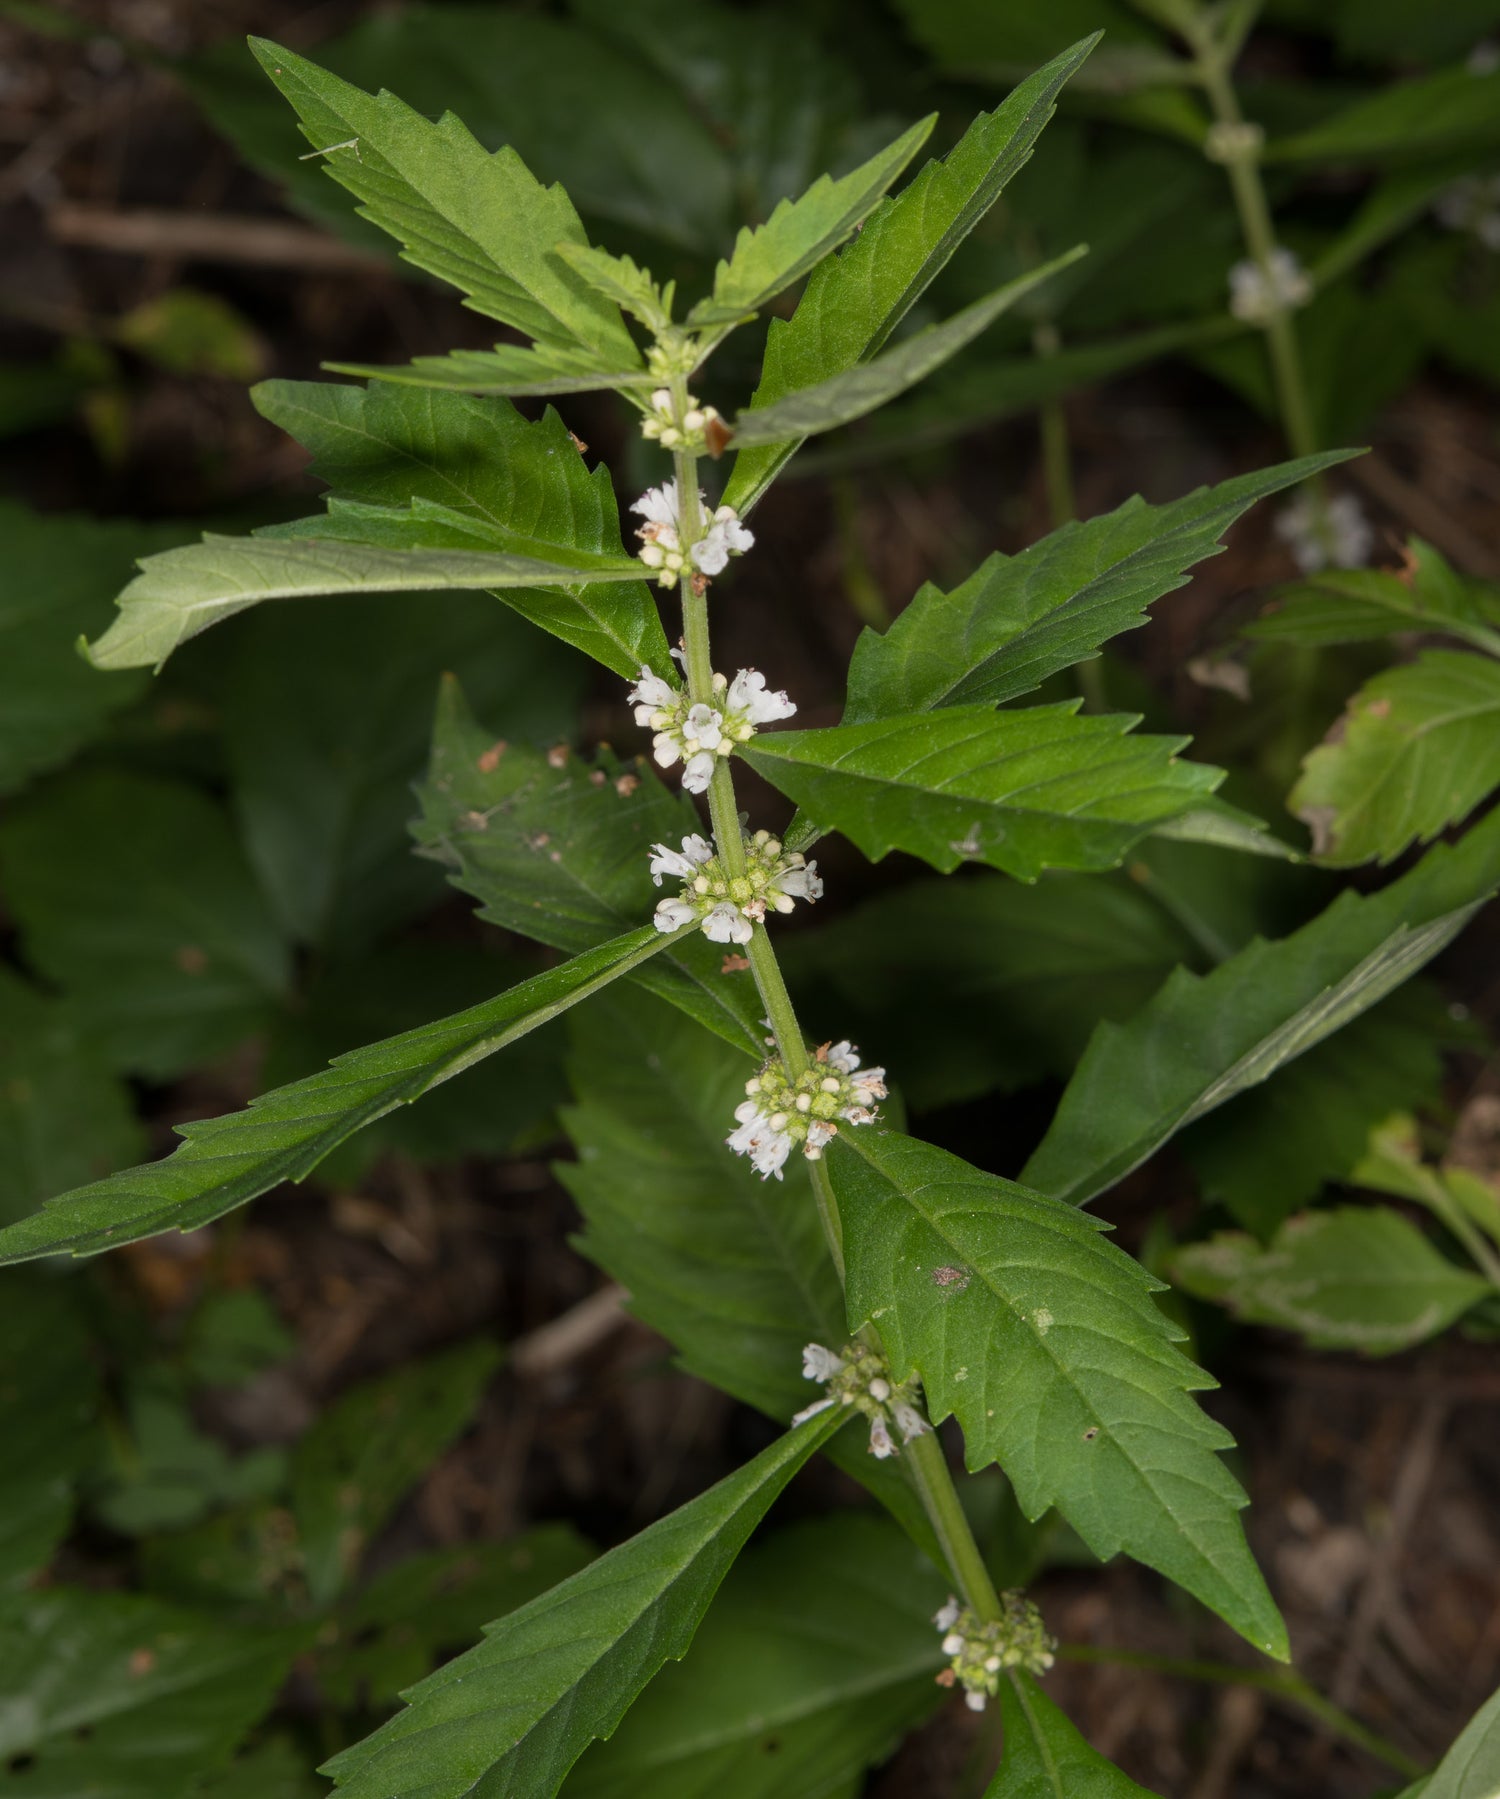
[[768, 1149], [658, 506], [750, 699], [695, 852], [1324, 533], [881, 1443], [801, 881], [1484, 58], [821, 1364], [672, 914], [698, 771], [652, 695], [728, 924], [703, 728], [1472, 203], [1256, 295], [860, 1377], [945, 1618], [725, 537], [975, 1699], [909, 1421]]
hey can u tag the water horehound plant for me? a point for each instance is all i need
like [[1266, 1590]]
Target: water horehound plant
[[857, 1282]]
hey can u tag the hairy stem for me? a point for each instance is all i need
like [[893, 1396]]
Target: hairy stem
[[923, 1459]]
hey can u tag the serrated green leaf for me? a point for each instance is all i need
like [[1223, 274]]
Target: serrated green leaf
[[65, 1117], [1045, 1757], [392, 1633], [134, 898], [49, 1397], [1452, 109], [1046, 787], [1043, 1339], [1354, 604], [1358, 1277], [125, 1698], [1416, 750], [623, 280], [800, 233], [182, 592], [854, 301], [478, 220], [59, 573], [1471, 1768], [360, 1459], [1270, 1149], [326, 728], [506, 369], [1019, 619], [1200, 1041], [562, 854], [517, 1711], [512, 484], [815, 1659], [285, 1134], [996, 984], [853, 392]]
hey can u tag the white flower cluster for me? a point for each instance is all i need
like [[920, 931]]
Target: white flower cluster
[[1472, 203], [980, 1653], [781, 1113], [1326, 533], [728, 907], [861, 1378], [662, 425], [1256, 300], [661, 536], [697, 735]]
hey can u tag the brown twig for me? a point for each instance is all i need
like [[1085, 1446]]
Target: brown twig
[[207, 237]]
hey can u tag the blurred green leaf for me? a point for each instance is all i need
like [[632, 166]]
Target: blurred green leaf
[[1358, 1277], [191, 333], [559, 851], [1450, 109], [519, 1709], [1349, 605], [853, 302], [1417, 749], [33, 394], [394, 1631], [59, 574], [1409, 30], [1200, 1041], [133, 896], [233, 1335], [65, 1117], [1046, 787], [284, 1134], [274, 1769], [371, 1447], [119, 1697], [814, 1660], [1044, 1340], [49, 1396], [1019, 619], [1000, 38], [1471, 1768], [1045, 1757]]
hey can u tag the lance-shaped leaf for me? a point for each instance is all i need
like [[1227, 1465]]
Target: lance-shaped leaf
[[855, 391], [1417, 749], [1200, 1041], [1452, 109], [1349, 605], [1022, 791], [816, 1658], [1359, 1277], [1019, 619], [853, 302], [283, 1135], [513, 1714], [481, 221], [507, 369], [562, 855], [454, 464], [801, 232], [1045, 1757], [1042, 1338], [182, 592]]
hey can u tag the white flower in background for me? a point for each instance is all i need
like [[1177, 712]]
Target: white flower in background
[[861, 1377], [1325, 533], [698, 734], [1484, 58], [661, 536], [1256, 300], [689, 432], [1472, 203], [806, 1112], [728, 907], [979, 1653]]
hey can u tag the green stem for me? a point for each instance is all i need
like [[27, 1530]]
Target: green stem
[[923, 1458], [1057, 460], [1290, 1687]]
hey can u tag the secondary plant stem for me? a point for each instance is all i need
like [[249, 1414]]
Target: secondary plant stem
[[923, 1459]]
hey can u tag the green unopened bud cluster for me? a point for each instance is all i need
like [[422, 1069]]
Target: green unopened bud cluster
[[981, 1651], [784, 1112], [728, 906]]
